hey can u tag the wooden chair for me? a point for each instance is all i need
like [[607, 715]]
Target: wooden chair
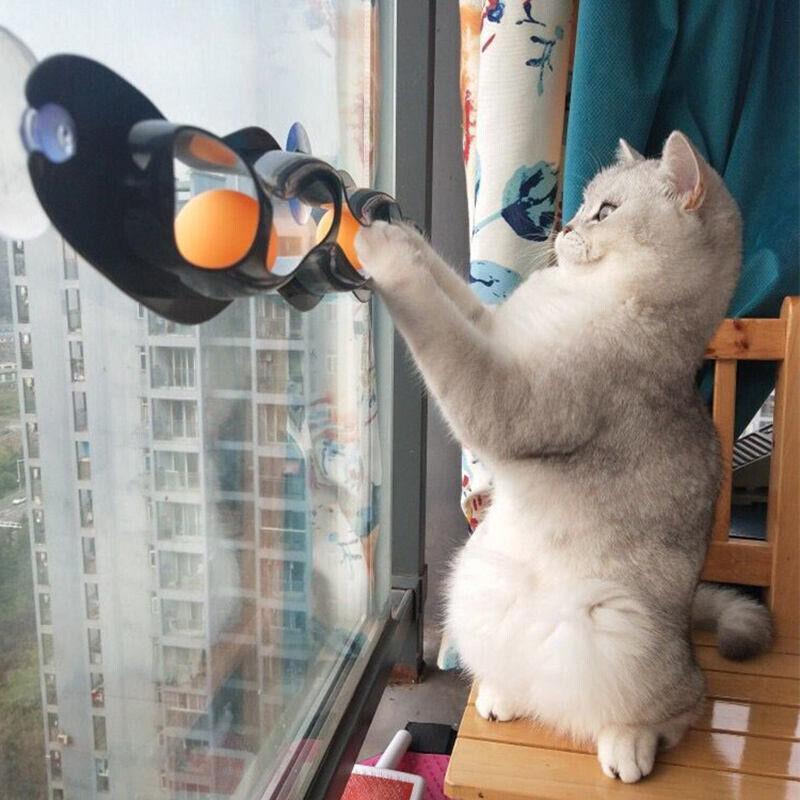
[[747, 743]]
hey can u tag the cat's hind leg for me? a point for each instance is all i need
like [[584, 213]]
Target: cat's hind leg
[[628, 752]]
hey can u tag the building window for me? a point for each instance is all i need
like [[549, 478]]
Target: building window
[[172, 367], [142, 357], [283, 530], [76, 363], [38, 526], [86, 505], [272, 424], [25, 351], [73, 298], [275, 320], [18, 253], [176, 470], [83, 461], [92, 601], [177, 520], [101, 773], [174, 419], [70, 262], [89, 555], [47, 649], [45, 613], [98, 692], [184, 667], [182, 618], [279, 372], [158, 326], [36, 485], [54, 757], [282, 577], [23, 305], [282, 478], [99, 729], [95, 646], [79, 411], [28, 395], [50, 689], [140, 311], [52, 726], [181, 571], [144, 410], [42, 577], [32, 437]]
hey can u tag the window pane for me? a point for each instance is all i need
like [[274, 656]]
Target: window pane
[[211, 561]]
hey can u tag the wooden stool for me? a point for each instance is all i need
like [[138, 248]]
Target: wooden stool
[[747, 743]]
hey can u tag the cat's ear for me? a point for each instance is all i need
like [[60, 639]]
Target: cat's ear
[[684, 168], [626, 154]]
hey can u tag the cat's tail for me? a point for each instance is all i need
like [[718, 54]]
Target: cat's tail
[[742, 624]]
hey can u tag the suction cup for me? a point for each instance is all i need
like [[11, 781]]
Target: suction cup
[[21, 215]]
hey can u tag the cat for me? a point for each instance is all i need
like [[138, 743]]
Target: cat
[[572, 602]]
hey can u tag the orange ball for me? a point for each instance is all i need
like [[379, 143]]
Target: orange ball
[[217, 228], [349, 227]]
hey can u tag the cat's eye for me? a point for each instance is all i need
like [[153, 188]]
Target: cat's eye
[[604, 211]]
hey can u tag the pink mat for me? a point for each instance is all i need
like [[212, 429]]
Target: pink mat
[[430, 767]]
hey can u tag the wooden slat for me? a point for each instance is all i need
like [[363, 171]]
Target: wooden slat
[[723, 410], [753, 688], [779, 665], [746, 562], [496, 771], [698, 748], [757, 339], [783, 508], [781, 644], [755, 719]]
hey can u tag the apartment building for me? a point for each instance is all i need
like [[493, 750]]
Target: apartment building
[[169, 514]]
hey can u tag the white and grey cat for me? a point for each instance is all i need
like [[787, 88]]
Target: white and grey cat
[[572, 602]]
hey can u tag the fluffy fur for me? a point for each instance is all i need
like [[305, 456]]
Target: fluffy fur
[[572, 602]]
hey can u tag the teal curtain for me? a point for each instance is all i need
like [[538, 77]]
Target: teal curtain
[[725, 72]]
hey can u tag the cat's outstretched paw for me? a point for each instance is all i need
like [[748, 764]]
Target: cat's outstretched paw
[[388, 251], [493, 706], [627, 752]]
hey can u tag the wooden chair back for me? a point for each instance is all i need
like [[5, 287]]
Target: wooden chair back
[[775, 563]]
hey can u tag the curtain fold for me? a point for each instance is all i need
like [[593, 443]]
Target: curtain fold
[[726, 74]]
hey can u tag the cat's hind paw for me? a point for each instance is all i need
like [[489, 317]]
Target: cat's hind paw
[[627, 752], [493, 706]]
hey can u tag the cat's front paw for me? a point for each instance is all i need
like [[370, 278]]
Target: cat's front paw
[[627, 752], [493, 706], [388, 251]]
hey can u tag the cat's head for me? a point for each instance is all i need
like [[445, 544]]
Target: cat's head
[[664, 232]]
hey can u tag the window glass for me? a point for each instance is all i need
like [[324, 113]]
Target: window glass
[[212, 568]]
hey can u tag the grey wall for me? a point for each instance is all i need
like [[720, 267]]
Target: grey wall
[[445, 525]]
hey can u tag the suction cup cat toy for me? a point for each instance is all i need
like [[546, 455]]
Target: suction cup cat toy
[[180, 219]]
